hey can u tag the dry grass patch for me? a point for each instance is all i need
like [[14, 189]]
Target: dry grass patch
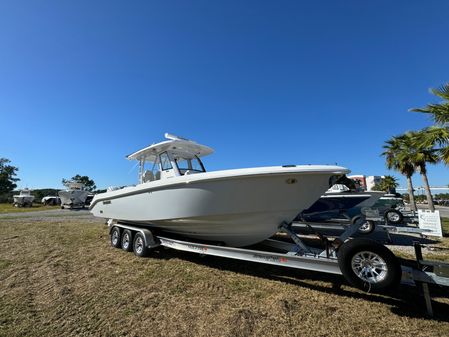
[[10, 208], [438, 250], [61, 278]]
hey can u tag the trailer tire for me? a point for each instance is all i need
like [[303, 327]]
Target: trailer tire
[[139, 246], [115, 237], [127, 240], [393, 216], [369, 265]]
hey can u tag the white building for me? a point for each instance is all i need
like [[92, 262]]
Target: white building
[[366, 182], [371, 181]]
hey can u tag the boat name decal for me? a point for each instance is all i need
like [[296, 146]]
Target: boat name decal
[[270, 258], [197, 249]]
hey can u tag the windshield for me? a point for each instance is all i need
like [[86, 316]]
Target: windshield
[[189, 164]]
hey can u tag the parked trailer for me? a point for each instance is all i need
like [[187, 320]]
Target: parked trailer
[[364, 263]]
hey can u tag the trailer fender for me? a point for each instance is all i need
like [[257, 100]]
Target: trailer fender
[[150, 240]]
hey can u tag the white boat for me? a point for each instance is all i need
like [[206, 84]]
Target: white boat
[[237, 207], [24, 198], [51, 200], [74, 196]]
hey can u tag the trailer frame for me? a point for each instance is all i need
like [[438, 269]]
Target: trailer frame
[[297, 255]]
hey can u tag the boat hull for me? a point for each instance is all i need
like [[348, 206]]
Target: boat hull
[[334, 207], [237, 210], [71, 199], [23, 200]]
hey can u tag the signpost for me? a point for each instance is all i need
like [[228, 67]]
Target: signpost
[[431, 222]]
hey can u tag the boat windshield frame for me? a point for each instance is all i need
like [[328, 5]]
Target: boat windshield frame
[[158, 171], [182, 171], [165, 159]]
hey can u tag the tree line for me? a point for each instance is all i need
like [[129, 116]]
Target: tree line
[[8, 183]]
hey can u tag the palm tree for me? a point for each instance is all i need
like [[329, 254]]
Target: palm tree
[[389, 184], [439, 111], [420, 155], [393, 147], [438, 135]]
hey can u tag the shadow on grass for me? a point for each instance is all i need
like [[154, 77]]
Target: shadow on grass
[[405, 301]]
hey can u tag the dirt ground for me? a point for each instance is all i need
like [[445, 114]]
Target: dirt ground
[[60, 277]]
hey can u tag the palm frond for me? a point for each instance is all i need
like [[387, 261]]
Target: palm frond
[[444, 155], [442, 91], [413, 150], [435, 136], [439, 111]]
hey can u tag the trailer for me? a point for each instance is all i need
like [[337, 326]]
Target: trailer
[[373, 221], [364, 263]]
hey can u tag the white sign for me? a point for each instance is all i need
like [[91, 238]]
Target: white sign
[[431, 222]]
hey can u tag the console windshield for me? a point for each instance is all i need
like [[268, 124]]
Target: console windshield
[[190, 165]]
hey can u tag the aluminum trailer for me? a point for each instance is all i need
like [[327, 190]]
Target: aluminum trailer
[[364, 263]]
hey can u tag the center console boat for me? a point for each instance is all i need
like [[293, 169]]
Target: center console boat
[[237, 207]]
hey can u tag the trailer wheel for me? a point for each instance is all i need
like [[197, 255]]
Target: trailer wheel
[[139, 247], [115, 237], [369, 265], [127, 240], [367, 228], [393, 216]]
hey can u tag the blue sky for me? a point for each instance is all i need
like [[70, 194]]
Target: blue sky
[[83, 83]]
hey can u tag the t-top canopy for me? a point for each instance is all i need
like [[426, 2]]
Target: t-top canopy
[[74, 185], [25, 191], [174, 144]]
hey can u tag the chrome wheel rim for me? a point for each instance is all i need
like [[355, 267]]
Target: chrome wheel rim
[[125, 242], [393, 216], [115, 237], [139, 245], [365, 227], [369, 267]]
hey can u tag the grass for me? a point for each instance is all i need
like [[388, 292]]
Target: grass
[[62, 278], [9, 208], [437, 251]]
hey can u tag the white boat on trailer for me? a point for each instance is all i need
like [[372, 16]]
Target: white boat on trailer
[[237, 207], [24, 198], [363, 262], [74, 196]]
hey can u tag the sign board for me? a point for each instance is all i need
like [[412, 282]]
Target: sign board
[[431, 222]]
